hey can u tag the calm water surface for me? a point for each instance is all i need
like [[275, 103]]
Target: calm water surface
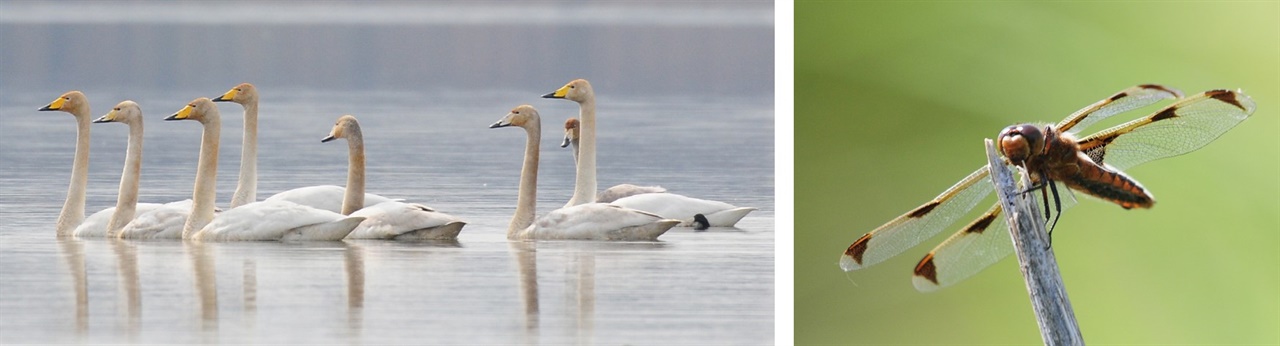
[[689, 287], [685, 102]]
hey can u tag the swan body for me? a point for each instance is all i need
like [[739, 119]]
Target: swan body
[[323, 197], [405, 221], [162, 222], [277, 220], [384, 219], [266, 220], [588, 221], [72, 215], [669, 205], [571, 138], [683, 208]]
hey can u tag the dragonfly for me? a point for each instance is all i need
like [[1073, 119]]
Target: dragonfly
[[1092, 165]]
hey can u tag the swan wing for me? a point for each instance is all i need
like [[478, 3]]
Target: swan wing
[[599, 221], [683, 208], [626, 190], [272, 220], [323, 197], [399, 220], [164, 222], [95, 226]]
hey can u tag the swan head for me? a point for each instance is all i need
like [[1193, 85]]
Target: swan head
[[570, 132], [126, 112], [346, 126], [69, 102], [579, 90], [243, 94], [201, 109], [522, 116]]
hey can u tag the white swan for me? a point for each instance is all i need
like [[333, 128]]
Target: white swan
[[109, 222], [590, 221], [391, 219], [266, 220], [668, 205], [324, 197], [683, 208], [72, 215], [571, 135], [584, 185]]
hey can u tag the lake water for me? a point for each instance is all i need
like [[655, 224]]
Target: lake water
[[427, 141]]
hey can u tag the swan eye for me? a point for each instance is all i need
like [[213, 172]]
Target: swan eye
[[238, 90], [515, 112], [68, 98], [116, 109], [571, 87]]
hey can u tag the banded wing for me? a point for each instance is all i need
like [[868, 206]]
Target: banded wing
[[924, 222], [1123, 101], [1182, 127], [919, 224]]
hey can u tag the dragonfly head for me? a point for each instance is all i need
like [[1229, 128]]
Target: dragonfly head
[[1019, 142]]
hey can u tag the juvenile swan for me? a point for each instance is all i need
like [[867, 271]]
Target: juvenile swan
[[266, 220], [571, 135], [325, 197], [668, 205], [591, 221], [391, 219]]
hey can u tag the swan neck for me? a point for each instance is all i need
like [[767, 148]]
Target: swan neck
[[247, 187], [127, 200], [584, 190], [526, 203], [73, 209], [206, 179], [353, 199]]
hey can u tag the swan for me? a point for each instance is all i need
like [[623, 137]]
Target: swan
[[611, 194], [72, 215], [110, 222], [589, 221], [584, 185], [669, 205], [391, 219], [684, 208], [265, 220], [324, 197]]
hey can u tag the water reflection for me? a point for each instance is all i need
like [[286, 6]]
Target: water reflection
[[206, 282], [526, 254], [73, 252], [354, 264], [127, 260]]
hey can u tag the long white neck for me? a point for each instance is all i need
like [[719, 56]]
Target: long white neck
[[584, 189], [206, 180], [73, 209], [127, 199], [353, 199], [247, 188], [526, 203]]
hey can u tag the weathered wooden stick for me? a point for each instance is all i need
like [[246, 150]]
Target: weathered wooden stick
[[1035, 258]]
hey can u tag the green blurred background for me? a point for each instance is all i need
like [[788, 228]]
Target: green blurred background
[[893, 101]]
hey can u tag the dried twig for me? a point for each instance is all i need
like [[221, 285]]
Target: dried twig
[[1035, 258]]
